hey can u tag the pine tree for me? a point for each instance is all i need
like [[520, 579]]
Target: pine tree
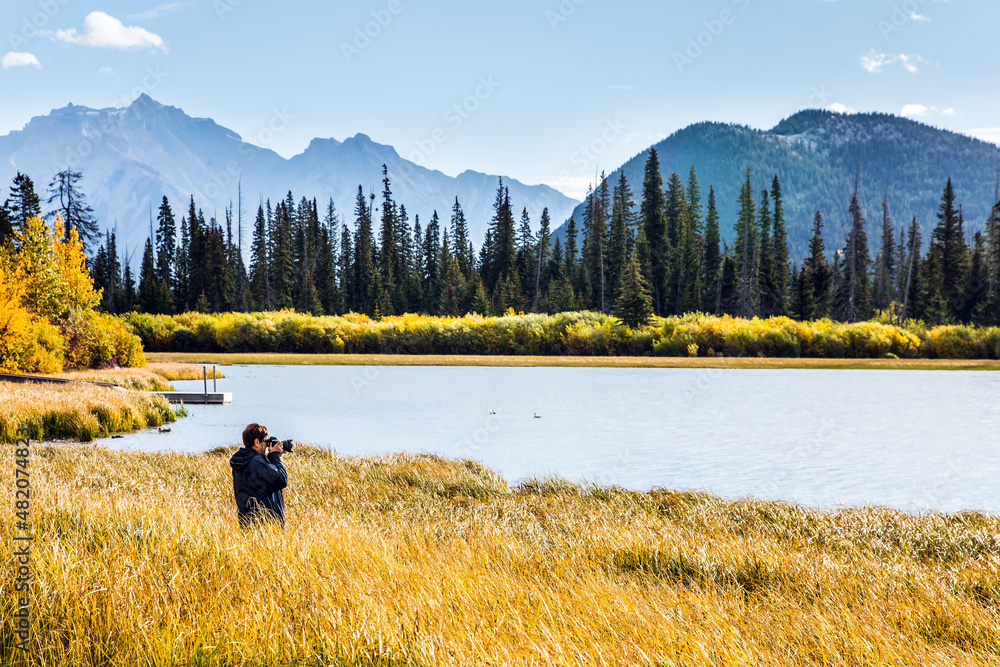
[[817, 273], [858, 294], [885, 274], [745, 249], [480, 300], [526, 256], [594, 246], [72, 205], [978, 285], [634, 306], [166, 242], [6, 224], [432, 257], [260, 273], [542, 260], [148, 284], [363, 251], [460, 231], [779, 245], [712, 258], [951, 254], [914, 288], [654, 224], [765, 281], [23, 203], [618, 239]]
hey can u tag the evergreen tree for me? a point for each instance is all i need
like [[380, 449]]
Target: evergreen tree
[[460, 231], [345, 271], [634, 306], [816, 273], [526, 260], [858, 295], [765, 282], [541, 261], [712, 258], [914, 288], [71, 204], [594, 246], [363, 256], [654, 224], [432, 257], [745, 249], [166, 242], [260, 273], [281, 254], [950, 254], [148, 297], [23, 203], [6, 225], [618, 239], [883, 291], [977, 288], [779, 245]]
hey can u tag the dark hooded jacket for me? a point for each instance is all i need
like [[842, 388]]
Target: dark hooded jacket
[[257, 484]]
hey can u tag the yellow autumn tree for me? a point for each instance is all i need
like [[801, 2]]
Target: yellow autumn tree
[[53, 271], [50, 282], [27, 342]]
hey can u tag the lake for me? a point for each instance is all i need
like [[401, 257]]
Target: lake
[[914, 440]]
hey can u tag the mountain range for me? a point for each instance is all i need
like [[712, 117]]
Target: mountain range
[[131, 157], [818, 155]]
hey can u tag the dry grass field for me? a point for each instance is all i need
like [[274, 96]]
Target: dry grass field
[[415, 560]]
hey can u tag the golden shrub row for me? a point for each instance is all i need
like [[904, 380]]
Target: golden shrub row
[[706, 335], [577, 333], [582, 333]]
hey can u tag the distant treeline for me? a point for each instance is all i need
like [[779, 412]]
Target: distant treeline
[[570, 333], [303, 257]]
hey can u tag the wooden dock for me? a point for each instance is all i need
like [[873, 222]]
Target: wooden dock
[[196, 398]]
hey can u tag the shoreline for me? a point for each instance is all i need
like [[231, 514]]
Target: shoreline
[[763, 363]]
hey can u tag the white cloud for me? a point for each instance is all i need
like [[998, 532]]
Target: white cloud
[[158, 11], [841, 108], [105, 31], [914, 111], [918, 17], [874, 61], [923, 111], [106, 71], [990, 134], [16, 59]]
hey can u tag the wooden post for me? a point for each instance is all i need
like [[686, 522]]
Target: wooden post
[[204, 376], [215, 388]]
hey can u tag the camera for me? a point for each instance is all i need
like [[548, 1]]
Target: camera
[[286, 445]]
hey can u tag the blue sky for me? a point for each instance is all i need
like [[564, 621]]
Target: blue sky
[[546, 91]]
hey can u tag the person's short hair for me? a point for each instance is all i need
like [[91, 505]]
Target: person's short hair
[[252, 433]]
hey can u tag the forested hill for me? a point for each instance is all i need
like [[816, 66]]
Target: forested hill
[[816, 155], [132, 157]]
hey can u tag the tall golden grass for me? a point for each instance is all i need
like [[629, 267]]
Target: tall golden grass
[[414, 560], [153, 377], [77, 411]]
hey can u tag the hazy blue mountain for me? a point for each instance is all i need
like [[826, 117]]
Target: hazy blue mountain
[[131, 157], [817, 154]]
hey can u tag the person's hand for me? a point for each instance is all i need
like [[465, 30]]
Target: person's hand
[[277, 449]]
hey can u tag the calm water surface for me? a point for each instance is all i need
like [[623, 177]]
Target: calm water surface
[[914, 440]]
